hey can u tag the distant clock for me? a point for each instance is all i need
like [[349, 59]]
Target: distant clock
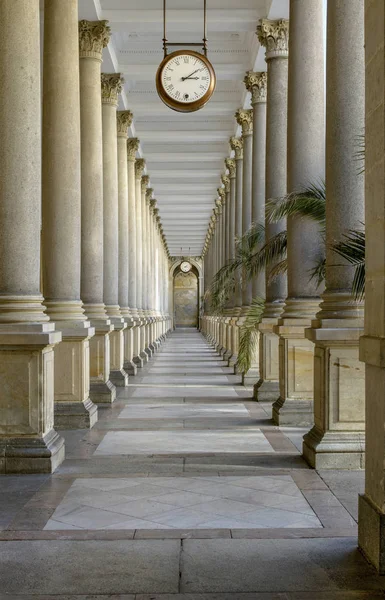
[[185, 80], [185, 267]]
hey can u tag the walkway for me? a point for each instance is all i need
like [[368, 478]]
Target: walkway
[[183, 489]]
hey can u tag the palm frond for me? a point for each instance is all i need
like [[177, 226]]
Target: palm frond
[[249, 335], [361, 152], [254, 237], [353, 250], [319, 271], [280, 268], [273, 251], [308, 202]]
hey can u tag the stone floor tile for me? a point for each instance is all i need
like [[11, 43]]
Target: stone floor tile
[[92, 567]]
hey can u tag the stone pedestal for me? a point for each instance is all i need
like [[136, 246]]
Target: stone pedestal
[[102, 390], [267, 388]]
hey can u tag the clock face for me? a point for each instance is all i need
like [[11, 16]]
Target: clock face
[[185, 267], [185, 80]]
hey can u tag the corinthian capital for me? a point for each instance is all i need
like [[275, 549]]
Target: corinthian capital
[[226, 182], [140, 164], [230, 165], [144, 183], [132, 148], [274, 35], [123, 122], [236, 144], [256, 83], [93, 37], [222, 193], [245, 120], [112, 84], [153, 204], [149, 193]]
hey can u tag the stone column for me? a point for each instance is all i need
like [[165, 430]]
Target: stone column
[[227, 312], [124, 120], [245, 120], [337, 438], [371, 516], [139, 355], [237, 145], [305, 246], [145, 304], [28, 442], [111, 87], [94, 36], [256, 84], [230, 165], [132, 148], [274, 35], [61, 215]]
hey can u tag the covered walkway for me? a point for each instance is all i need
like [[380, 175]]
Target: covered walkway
[[184, 488]]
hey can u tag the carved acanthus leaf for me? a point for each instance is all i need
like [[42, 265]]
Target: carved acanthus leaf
[[236, 144], [93, 37], [144, 183], [226, 182], [244, 118], [256, 83], [149, 193], [123, 121], [140, 165], [274, 35], [230, 165], [112, 84], [132, 148], [222, 192]]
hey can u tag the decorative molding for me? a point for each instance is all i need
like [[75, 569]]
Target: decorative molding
[[123, 121], [93, 37], [236, 144], [140, 165], [132, 148], [274, 35], [112, 85], [230, 165], [256, 83], [244, 118]]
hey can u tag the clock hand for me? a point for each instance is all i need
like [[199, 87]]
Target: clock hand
[[188, 76], [185, 78]]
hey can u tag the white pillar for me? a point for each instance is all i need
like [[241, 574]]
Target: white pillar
[[28, 442], [111, 87], [337, 438], [61, 215], [93, 37], [274, 35]]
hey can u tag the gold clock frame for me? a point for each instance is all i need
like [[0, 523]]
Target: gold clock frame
[[176, 105]]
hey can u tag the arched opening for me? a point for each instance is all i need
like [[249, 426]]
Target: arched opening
[[186, 298]]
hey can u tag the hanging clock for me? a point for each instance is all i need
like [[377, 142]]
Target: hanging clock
[[185, 266], [185, 80]]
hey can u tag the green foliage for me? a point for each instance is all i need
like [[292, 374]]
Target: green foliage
[[249, 335], [353, 250], [309, 201]]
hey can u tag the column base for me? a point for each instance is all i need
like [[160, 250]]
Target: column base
[[266, 391], [139, 361], [148, 350], [75, 415], [119, 377], [371, 533], [297, 413], [102, 392], [334, 449], [130, 367], [251, 377], [31, 455], [144, 356]]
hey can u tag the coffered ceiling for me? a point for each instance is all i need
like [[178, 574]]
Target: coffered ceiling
[[184, 152]]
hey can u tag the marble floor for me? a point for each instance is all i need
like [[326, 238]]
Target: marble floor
[[184, 488]]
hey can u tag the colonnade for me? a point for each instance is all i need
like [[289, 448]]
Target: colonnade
[[307, 363], [84, 262]]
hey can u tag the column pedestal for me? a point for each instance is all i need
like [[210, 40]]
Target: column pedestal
[[267, 388], [28, 442], [118, 375], [102, 390], [296, 374], [337, 439], [129, 366], [73, 406]]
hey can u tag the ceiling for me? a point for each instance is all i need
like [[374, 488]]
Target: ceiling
[[184, 152]]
